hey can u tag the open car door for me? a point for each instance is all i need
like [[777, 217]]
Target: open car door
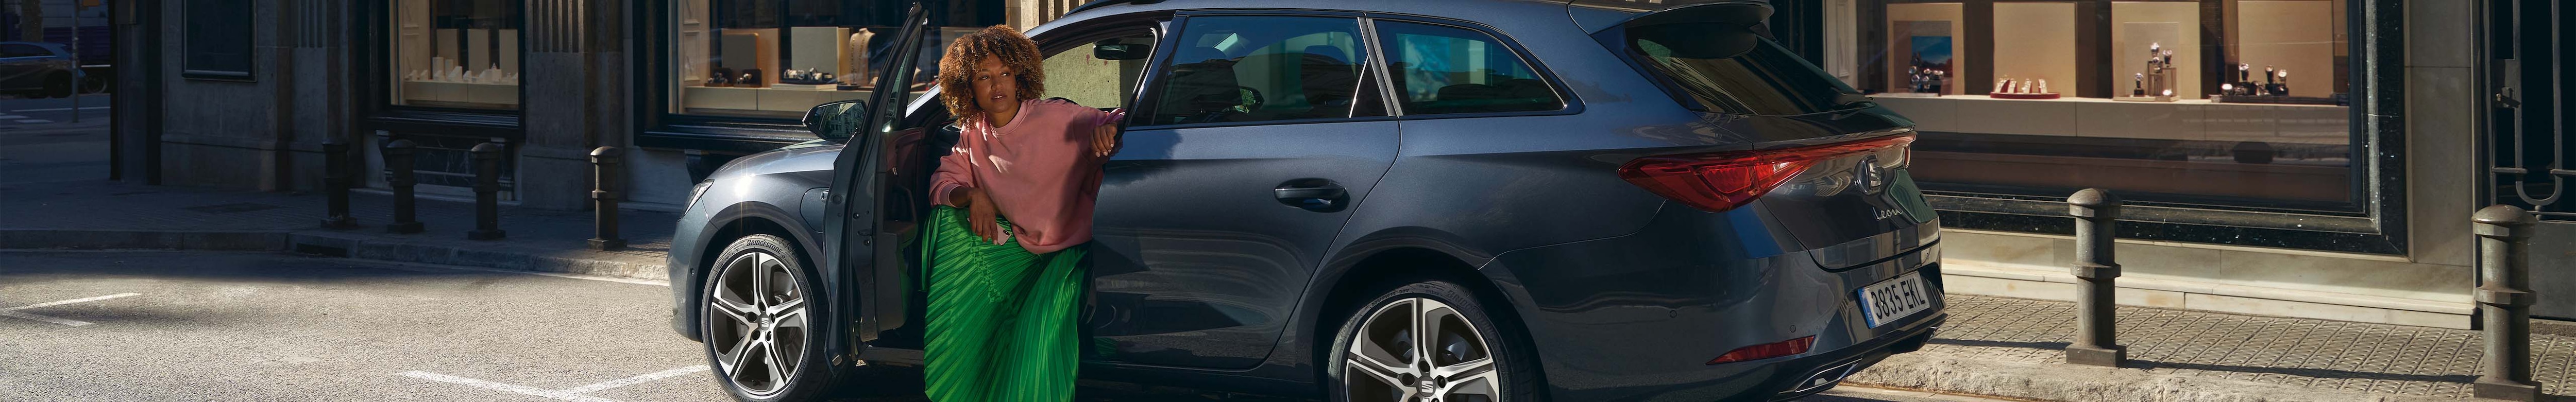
[[863, 254]]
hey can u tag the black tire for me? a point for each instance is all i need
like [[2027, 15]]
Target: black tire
[[58, 85], [814, 375], [1514, 360]]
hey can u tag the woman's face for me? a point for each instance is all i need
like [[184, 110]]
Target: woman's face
[[997, 88]]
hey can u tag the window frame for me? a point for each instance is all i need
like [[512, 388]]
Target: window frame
[[188, 45], [382, 114], [1150, 92], [2378, 223], [1571, 104], [1566, 102]]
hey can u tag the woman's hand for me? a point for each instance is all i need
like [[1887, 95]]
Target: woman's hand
[[1104, 140], [981, 214]]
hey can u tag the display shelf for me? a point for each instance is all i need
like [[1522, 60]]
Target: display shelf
[[771, 99], [460, 93], [2190, 119]]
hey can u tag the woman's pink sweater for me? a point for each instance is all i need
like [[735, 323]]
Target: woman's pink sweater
[[1039, 170]]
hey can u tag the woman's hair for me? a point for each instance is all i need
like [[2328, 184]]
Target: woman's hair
[[957, 67]]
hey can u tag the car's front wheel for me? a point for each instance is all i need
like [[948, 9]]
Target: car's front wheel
[[761, 323], [1429, 341]]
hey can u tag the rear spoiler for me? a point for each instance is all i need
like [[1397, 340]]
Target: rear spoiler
[[1747, 13]]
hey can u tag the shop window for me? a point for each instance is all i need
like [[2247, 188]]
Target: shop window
[[779, 58], [461, 54], [1452, 70], [2241, 106], [1245, 69], [217, 39]]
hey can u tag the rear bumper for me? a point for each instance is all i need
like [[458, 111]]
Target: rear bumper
[[1809, 375], [1638, 317]]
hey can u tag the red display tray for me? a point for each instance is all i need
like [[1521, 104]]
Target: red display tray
[[2023, 96]]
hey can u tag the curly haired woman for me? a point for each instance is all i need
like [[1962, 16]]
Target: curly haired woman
[[1015, 200]]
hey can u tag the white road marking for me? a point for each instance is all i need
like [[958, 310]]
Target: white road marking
[[605, 385], [79, 300], [580, 393], [34, 121], [13, 311], [56, 109], [11, 116]]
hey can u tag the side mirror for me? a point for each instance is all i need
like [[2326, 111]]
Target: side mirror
[[836, 120], [1118, 51]]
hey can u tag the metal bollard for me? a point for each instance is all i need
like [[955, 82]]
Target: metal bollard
[[603, 162], [2097, 215], [2504, 299], [335, 184], [398, 158], [487, 193]]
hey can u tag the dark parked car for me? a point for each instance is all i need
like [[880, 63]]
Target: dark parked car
[[38, 69], [1401, 200]]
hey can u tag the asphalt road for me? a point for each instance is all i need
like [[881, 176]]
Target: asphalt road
[[40, 142], [203, 326]]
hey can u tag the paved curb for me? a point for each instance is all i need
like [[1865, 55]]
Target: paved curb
[[340, 244], [143, 239], [2061, 382]]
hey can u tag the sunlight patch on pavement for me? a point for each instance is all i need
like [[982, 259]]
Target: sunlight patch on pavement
[[579, 394], [12, 312]]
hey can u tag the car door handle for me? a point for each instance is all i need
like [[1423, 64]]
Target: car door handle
[[1317, 195]]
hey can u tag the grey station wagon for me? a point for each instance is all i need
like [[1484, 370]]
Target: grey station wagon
[[1395, 200]]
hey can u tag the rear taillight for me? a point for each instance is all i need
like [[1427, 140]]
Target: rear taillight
[[1721, 181], [1767, 350]]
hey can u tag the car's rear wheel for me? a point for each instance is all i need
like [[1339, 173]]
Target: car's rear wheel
[[1429, 341], [763, 325]]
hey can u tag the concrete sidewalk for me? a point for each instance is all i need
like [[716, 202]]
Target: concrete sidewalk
[[102, 214], [2012, 348]]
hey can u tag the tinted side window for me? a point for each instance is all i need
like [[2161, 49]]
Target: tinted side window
[[1080, 75], [1442, 69], [1240, 69]]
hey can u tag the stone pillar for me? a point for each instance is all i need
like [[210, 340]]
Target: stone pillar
[[574, 76]]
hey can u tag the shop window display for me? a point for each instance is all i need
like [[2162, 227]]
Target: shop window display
[[779, 58], [456, 53], [2185, 103]]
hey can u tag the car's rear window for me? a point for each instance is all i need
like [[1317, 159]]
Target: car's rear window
[[1727, 69]]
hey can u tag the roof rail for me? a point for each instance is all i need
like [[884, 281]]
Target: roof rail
[[1102, 3]]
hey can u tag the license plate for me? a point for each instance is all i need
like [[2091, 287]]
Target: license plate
[[1894, 298]]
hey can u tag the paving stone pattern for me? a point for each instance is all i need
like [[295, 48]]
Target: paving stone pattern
[[2350, 356]]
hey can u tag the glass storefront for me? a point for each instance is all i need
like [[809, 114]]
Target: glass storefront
[[778, 58], [2237, 104], [460, 54]]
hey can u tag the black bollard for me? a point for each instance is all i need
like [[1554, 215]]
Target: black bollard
[[2504, 299], [335, 184], [2097, 214], [398, 158], [603, 163], [487, 193]]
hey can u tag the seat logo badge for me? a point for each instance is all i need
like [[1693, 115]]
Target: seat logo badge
[[1872, 177]]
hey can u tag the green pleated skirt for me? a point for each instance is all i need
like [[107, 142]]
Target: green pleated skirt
[[1002, 320]]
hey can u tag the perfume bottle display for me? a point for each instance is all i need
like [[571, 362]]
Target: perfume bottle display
[[2156, 81], [1924, 80], [446, 70]]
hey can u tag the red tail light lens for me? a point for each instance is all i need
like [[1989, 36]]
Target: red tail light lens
[[1720, 181], [1767, 350]]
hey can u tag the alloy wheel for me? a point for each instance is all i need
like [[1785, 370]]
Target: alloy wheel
[[1419, 350], [757, 323]]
